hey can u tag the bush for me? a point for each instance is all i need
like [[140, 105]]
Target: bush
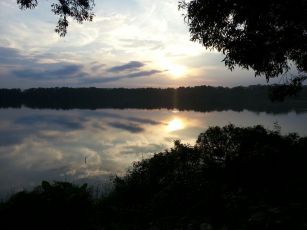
[[242, 178], [59, 205]]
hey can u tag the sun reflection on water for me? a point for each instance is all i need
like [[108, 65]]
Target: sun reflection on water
[[175, 124]]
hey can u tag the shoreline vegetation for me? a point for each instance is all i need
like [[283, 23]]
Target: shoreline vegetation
[[199, 98], [232, 178]]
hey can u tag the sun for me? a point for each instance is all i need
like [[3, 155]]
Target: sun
[[174, 70], [177, 71], [175, 124]]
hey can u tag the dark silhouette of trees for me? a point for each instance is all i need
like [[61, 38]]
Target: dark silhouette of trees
[[232, 178], [199, 98], [267, 36], [59, 205], [79, 10]]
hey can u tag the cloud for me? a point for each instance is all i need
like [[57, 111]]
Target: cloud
[[143, 121], [97, 66], [50, 121], [12, 56], [97, 80], [11, 137], [121, 116], [132, 128], [143, 73], [45, 73], [149, 44], [44, 68], [8, 52], [131, 66], [15, 64], [32, 68], [148, 148]]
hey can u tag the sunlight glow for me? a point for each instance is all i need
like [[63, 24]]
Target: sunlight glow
[[175, 124], [177, 70], [174, 70]]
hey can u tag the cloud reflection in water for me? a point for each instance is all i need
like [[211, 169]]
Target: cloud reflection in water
[[38, 145]]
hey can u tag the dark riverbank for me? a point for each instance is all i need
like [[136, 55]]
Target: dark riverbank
[[200, 98]]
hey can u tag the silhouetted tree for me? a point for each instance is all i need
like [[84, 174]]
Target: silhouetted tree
[[265, 35], [79, 10]]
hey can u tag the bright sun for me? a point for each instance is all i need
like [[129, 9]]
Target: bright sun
[[175, 124], [177, 70], [174, 70]]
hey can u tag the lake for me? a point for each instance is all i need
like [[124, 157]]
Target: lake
[[94, 145]]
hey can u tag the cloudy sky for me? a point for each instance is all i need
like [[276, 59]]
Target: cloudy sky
[[131, 43]]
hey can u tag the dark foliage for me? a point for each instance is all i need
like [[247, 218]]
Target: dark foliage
[[232, 178], [200, 98], [280, 92], [79, 10], [59, 205], [265, 35]]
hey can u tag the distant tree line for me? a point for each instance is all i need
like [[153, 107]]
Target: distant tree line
[[232, 178], [199, 98]]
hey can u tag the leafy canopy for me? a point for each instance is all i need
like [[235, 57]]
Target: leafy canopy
[[265, 35], [79, 10]]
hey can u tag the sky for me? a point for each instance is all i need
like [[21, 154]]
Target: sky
[[131, 43]]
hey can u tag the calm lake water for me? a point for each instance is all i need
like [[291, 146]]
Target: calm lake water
[[94, 145]]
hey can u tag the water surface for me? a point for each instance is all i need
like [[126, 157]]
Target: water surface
[[92, 145]]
